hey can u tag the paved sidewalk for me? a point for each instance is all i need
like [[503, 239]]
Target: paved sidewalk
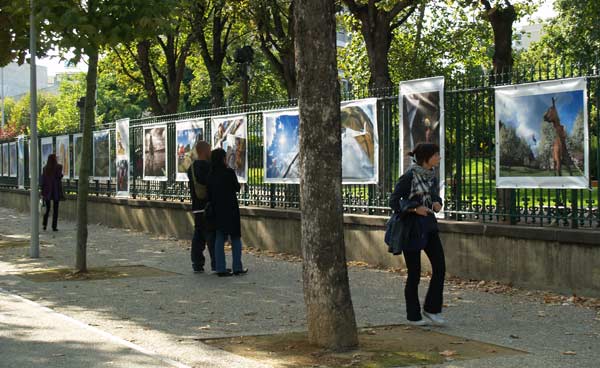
[[168, 315]]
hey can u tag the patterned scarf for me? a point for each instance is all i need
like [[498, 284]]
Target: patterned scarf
[[421, 184]]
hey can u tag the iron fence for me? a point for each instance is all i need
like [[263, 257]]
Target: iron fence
[[470, 192]]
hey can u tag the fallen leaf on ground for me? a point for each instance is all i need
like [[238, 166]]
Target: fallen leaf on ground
[[569, 352], [447, 353]]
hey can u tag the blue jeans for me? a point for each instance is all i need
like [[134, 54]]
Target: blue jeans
[[236, 251]]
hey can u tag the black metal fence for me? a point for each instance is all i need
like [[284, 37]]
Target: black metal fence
[[470, 191]]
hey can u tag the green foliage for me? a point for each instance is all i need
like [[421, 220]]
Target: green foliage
[[572, 36]]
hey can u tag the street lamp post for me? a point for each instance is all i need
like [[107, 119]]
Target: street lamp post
[[33, 143]]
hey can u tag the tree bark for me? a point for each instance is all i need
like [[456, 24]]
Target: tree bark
[[377, 26], [330, 314], [86, 159], [501, 19]]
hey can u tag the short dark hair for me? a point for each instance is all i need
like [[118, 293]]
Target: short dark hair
[[423, 152]]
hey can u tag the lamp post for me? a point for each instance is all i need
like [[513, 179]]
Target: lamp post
[[33, 144]]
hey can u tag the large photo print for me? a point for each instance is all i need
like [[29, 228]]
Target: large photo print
[[77, 151], [101, 155], [542, 135], [281, 146], [188, 133], [46, 150], [122, 157], [155, 153], [360, 145], [422, 120], [12, 157], [230, 133], [62, 155], [4, 159]]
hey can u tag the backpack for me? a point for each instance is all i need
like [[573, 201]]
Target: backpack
[[200, 190]]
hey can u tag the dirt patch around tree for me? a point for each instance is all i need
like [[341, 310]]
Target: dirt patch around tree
[[98, 273], [380, 347]]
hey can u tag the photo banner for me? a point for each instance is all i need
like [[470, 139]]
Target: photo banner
[[77, 152], [421, 108], [21, 161], [5, 159], [63, 155], [155, 153], [360, 143], [122, 157], [101, 148], [12, 158], [231, 134], [188, 133], [542, 135], [281, 142], [46, 150]]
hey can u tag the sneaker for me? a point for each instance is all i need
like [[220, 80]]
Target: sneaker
[[199, 269], [436, 318], [240, 273], [418, 323], [224, 274]]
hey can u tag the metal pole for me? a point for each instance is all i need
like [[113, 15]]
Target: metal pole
[[2, 93], [33, 145]]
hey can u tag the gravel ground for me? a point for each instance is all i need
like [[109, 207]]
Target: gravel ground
[[168, 315]]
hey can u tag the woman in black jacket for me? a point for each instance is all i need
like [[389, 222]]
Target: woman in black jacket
[[416, 199], [222, 195], [51, 182]]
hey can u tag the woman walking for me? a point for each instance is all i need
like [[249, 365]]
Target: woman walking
[[416, 199], [51, 189], [222, 189]]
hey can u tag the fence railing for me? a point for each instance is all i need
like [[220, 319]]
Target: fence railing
[[470, 192]]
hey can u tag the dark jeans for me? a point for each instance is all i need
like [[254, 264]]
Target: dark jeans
[[202, 236], [54, 214], [434, 298]]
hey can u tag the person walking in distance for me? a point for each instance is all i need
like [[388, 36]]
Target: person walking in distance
[[222, 195], [416, 199], [203, 230], [51, 182]]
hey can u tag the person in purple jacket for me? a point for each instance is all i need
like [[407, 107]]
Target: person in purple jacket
[[51, 189]]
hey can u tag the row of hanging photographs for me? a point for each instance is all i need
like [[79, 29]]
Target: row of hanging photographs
[[541, 139]]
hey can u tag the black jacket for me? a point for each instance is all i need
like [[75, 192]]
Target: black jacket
[[222, 194], [411, 225], [201, 169]]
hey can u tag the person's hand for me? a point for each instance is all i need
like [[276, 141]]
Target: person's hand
[[437, 206], [421, 211]]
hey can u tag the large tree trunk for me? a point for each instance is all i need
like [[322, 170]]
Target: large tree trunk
[[330, 315], [86, 158], [217, 83], [143, 60], [378, 40]]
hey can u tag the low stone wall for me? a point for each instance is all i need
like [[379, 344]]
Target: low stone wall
[[563, 260]]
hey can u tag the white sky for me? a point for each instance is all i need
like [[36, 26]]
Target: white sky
[[55, 66]]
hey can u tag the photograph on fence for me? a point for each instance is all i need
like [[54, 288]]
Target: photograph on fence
[[360, 144], [230, 133], [122, 157], [187, 133], [12, 159], [542, 135], [5, 159], [77, 149], [122, 138], [155, 153], [137, 169], [101, 155], [21, 161], [46, 150], [281, 146], [62, 155], [421, 109]]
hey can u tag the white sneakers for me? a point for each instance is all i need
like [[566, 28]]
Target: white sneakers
[[435, 318]]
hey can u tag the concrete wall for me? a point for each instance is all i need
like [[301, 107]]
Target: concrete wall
[[558, 259]]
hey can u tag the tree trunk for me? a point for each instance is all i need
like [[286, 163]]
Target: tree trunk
[[378, 48], [86, 159], [217, 96], [289, 74], [330, 315], [143, 52]]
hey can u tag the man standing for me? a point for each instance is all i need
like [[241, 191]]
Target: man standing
[[203, 230]]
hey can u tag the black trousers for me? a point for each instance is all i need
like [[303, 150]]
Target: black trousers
[[203, 237], [54, 214], [434, 298]]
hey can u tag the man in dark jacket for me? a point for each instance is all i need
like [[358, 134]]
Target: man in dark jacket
[[203, 230]]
